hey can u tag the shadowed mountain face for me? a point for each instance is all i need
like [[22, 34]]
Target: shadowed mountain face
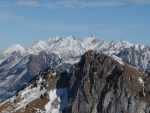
[[101, 85], [136, 57], [97, 84], [17, 72]]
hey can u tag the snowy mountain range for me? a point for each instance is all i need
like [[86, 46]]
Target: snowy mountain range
[[70, 48], [19, 65]]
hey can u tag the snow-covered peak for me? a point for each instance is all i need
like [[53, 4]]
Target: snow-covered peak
[[38, 46], [56, 39], [89, 39], [138, 46], [70, 48], [90, 43], [71, 37], [53, 39], [123, 44], [66, 47], [15, 48]]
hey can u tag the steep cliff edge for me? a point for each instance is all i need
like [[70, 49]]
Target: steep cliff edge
[[100, 84]]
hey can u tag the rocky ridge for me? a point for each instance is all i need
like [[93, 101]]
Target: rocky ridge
[[97, 84]]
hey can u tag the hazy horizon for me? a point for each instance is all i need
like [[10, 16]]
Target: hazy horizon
[[26, 21], [29, 44]]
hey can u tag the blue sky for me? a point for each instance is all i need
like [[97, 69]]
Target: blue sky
[[25, 21]]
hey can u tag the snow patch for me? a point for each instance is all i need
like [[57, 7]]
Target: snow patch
[[141, 80], [58, 99], [15, 48], [119, 60], [30, 94]]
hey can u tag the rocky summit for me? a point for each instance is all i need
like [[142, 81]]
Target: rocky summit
[[102, 85], [96, 84]]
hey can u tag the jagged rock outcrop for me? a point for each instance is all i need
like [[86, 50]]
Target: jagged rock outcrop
[[97, 84], [101, 85]]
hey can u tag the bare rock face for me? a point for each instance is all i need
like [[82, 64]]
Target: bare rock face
[[101, 85], [97, 84]]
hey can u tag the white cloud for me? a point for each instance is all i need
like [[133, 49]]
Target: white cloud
[[140, 2], [72, 3], [30, 3], [94, 3]]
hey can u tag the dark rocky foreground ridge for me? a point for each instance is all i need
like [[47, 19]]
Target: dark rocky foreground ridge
[[101, 85], [97, 84]]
